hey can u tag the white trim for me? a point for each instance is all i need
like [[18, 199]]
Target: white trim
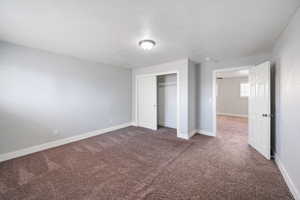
[[178, 96], [164, 124], [233, 115], [167, 84], [287, 178], [207, 133], [183, 136], [158, 74], [193, 132], [178, 104], [214, 88], [133, 123], [48, 145]]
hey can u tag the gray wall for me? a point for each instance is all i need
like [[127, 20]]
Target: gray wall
[[45, 97], [192, 87], [204, 86], [287, 61], [229, 100]]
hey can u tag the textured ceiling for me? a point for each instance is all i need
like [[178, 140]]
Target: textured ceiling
[[108, 31]]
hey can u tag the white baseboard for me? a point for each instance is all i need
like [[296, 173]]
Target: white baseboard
[[287, 178], [48, 145], [186, 137], [133, 123], [165, 124], [233, 115], [208, 133], [192, 133]]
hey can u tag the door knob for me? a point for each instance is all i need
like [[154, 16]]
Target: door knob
[[265, 115]]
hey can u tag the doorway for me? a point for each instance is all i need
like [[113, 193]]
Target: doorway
[[258, 117], [232, 93]]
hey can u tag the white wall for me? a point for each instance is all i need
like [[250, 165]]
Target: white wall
[[204, 86], [287, 61], [46, 97], [167, 100], [180, 66], [192, 86], [229, 100]]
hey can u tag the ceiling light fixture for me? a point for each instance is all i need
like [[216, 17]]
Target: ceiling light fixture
[[147, 44], [208, 59]]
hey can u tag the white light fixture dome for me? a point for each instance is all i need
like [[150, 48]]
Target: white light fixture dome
[[208, 59], [147, 44]]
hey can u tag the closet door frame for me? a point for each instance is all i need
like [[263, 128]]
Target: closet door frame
[[178, 95]]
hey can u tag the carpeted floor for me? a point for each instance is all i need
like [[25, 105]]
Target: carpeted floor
[[136, 163]]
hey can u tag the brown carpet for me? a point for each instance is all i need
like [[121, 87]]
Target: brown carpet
[[136, 163]]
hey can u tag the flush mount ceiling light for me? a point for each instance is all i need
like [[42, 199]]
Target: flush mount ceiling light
[[208, 59], [147, 44]]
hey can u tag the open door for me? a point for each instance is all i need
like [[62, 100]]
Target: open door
[[147, 102], [260, 109]]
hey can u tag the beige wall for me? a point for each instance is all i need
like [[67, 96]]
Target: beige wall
[[228, 99]]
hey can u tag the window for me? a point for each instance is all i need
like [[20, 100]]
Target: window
[[244, 90]]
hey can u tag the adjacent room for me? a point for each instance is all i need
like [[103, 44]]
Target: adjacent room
[[149, 100], [232, 92]]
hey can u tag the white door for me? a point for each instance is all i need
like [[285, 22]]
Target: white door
[[260, 109], [147, 102]]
